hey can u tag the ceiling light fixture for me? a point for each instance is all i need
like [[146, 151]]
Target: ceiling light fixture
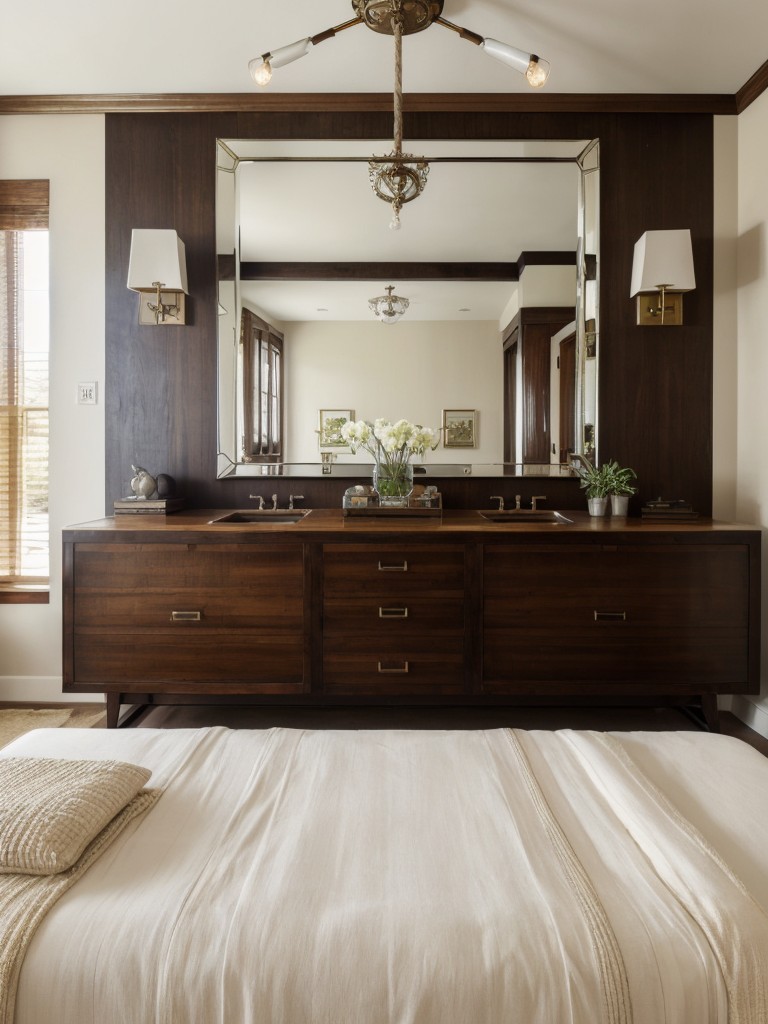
[[389, 308], [399, 177]]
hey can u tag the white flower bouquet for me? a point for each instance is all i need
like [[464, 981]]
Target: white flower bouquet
[[392, 446]]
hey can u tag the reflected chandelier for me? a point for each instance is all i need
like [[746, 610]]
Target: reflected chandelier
[[399, 177], [388, 308]]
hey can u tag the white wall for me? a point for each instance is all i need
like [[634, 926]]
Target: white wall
[[752, 357], [409, 370], [68, 150]]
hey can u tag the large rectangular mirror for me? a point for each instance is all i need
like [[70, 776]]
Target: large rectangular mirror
[[505, 232]]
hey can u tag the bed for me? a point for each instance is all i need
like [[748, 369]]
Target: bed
[[394, 877]]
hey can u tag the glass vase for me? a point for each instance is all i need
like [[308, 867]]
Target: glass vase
[[393, 482]]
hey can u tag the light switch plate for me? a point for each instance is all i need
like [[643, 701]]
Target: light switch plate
[[87, 393]]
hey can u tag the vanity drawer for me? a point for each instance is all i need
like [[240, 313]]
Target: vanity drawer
[[225, 661], [374, 667], [609, 591], [350, 570], [652, 662], [393, 615], [193, 587]]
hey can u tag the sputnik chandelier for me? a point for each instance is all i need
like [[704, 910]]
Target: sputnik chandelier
[[399, 177]]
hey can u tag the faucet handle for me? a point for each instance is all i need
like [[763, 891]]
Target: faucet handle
[[517, 502], [274, 502], [535, 498], [297, 497], [500, 499]]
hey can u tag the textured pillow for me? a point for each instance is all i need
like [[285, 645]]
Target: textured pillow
[[51, 809]]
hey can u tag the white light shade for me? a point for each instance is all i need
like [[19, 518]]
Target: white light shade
[[663, 258], [157, 255], [291, 52], [517, 59]]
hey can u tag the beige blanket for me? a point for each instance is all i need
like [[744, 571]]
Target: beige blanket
[[26, 899], [293, 877]]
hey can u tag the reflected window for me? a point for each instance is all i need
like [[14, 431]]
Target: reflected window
[[262, 349]]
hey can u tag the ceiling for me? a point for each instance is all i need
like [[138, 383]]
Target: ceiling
[[179, 46], [470, 212], [596, 46]]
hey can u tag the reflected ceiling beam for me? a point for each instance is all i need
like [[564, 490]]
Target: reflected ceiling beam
[[366, 271], [408, 271]]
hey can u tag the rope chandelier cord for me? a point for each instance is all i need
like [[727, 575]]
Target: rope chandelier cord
[[398, 177]]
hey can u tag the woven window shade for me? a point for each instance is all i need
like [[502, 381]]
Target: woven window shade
[[23, 399], [24, 205]]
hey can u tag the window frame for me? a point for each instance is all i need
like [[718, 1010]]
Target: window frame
[[262, 404], [24, 206]]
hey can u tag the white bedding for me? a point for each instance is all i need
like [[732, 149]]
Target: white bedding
[[380, 877]]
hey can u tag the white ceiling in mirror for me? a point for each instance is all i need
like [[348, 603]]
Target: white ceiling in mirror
[[470, 212]]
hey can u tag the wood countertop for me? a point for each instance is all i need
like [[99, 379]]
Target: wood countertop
[[329, 524]]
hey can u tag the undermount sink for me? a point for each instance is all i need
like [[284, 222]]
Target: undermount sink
[[527, 515], [262, 516]]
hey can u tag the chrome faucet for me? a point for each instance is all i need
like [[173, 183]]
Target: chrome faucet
[[498, 497], [297, 497], [579, 463], [261, 500], [535, 498], [517, 503], [274, 503]]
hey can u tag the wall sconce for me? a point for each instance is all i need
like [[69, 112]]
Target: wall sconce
[[157, 267], [662, 269]]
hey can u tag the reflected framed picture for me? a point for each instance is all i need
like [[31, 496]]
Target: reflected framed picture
[[329, 431], [460, 428]]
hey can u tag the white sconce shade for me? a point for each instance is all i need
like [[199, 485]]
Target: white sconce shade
[[158, 265], [662, 263]]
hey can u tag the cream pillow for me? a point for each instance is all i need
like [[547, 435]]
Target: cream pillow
[[51, 809]]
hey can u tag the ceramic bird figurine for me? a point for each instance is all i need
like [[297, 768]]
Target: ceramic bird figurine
[[143, 484]]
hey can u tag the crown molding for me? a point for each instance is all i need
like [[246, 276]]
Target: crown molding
[[752, 88], [610, 103]]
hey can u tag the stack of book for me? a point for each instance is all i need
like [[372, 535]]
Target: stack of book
[[668, 508], [147, 506]]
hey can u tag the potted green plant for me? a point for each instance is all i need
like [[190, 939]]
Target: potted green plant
[[596, 482], [620, 487]]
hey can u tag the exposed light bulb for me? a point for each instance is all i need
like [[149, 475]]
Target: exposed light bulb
[[535, 69], [538, 72], [261, 70]]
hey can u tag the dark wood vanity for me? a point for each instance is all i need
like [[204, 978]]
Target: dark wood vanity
[[453, 611]]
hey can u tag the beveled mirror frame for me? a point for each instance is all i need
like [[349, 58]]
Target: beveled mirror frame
[[587, 334]]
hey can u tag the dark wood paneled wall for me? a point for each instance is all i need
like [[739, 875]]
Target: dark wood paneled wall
[[655, 396]]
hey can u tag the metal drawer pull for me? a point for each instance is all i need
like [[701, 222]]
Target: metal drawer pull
[[610, 616], [394, 671], [393, 613], [394, 568], [186, 616]]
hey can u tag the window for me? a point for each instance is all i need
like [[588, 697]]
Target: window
[[23, 390], [262, 348]]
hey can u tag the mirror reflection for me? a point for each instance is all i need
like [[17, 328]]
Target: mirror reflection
[[504, 232]]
